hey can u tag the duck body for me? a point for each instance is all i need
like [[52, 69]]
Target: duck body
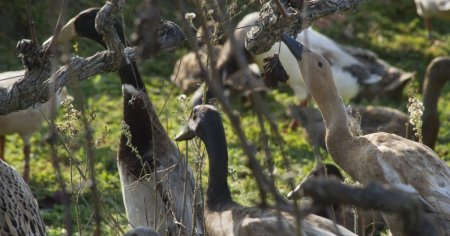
[[187, 73], [346, 83], [382, 157], [433, 8], [405, 164], [19, 210], [428, 9], [222, 215]]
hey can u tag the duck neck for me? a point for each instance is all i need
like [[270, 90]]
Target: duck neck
[[334, 115], [135, 113], [218, 192], [435, 78]]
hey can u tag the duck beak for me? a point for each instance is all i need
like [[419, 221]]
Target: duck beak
[[294, 46], [186, 133]]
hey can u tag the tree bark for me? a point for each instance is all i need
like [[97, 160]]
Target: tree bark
[[327, 192], [300, 14]]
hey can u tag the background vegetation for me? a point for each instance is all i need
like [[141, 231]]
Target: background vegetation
[[392, 29]]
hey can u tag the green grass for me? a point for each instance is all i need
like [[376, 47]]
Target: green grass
[[390, 28]]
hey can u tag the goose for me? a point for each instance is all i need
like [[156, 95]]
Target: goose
[[222, 215], [376, 118], [25, 122], [387, 158], [432, 9], [149, 152], [19, 210], [351, 74]]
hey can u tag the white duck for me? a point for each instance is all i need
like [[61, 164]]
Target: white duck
[[24, 122], [432, 9], [383, 157], [350, 74]]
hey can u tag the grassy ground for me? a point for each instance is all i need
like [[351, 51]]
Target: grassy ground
[[390, 28]]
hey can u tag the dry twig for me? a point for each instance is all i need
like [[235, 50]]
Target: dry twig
[[272, 22], [327, 192]]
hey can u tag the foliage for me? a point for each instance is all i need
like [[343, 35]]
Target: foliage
[[390, 28]]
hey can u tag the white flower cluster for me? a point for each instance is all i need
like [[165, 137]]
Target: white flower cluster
[[189, 16], [415, 111]]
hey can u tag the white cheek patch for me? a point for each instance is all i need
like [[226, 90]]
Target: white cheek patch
[[130, 89]]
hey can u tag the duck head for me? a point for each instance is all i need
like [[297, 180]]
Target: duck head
[[294, 46], [170, 36], [202, 118]]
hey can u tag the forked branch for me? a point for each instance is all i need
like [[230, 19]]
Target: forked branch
[[301, 13], [327, 192]]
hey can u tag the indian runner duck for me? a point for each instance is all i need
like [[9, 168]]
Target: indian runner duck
[[222, 215], [376, 118], [383, 157]]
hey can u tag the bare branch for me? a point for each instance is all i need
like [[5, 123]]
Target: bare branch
[[374, 196], [37, 82], [272, 22]]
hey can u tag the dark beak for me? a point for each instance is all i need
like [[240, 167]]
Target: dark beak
[[186, 133], [294, 46]]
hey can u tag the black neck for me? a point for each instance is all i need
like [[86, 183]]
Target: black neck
[[85, 27], [217, 192], [135, 114]]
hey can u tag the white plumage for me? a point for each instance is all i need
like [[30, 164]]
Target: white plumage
[[433, 8], [350, 74]]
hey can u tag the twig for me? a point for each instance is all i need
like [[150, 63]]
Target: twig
[[31, 24], [270, 26], [327, 192], [89, 144], [214, 84], [49, 48]]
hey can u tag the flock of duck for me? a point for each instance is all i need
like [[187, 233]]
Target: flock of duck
[[324, 71]]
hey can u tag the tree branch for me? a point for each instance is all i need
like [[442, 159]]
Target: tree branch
[[327, 192], [301, 14], [36, 86]]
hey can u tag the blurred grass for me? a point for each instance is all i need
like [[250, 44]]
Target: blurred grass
[[390, 28]]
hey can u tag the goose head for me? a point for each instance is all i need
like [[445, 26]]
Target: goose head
[[202, 118]]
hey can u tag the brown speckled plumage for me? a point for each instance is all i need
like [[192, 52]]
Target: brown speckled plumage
[[19, 211]]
